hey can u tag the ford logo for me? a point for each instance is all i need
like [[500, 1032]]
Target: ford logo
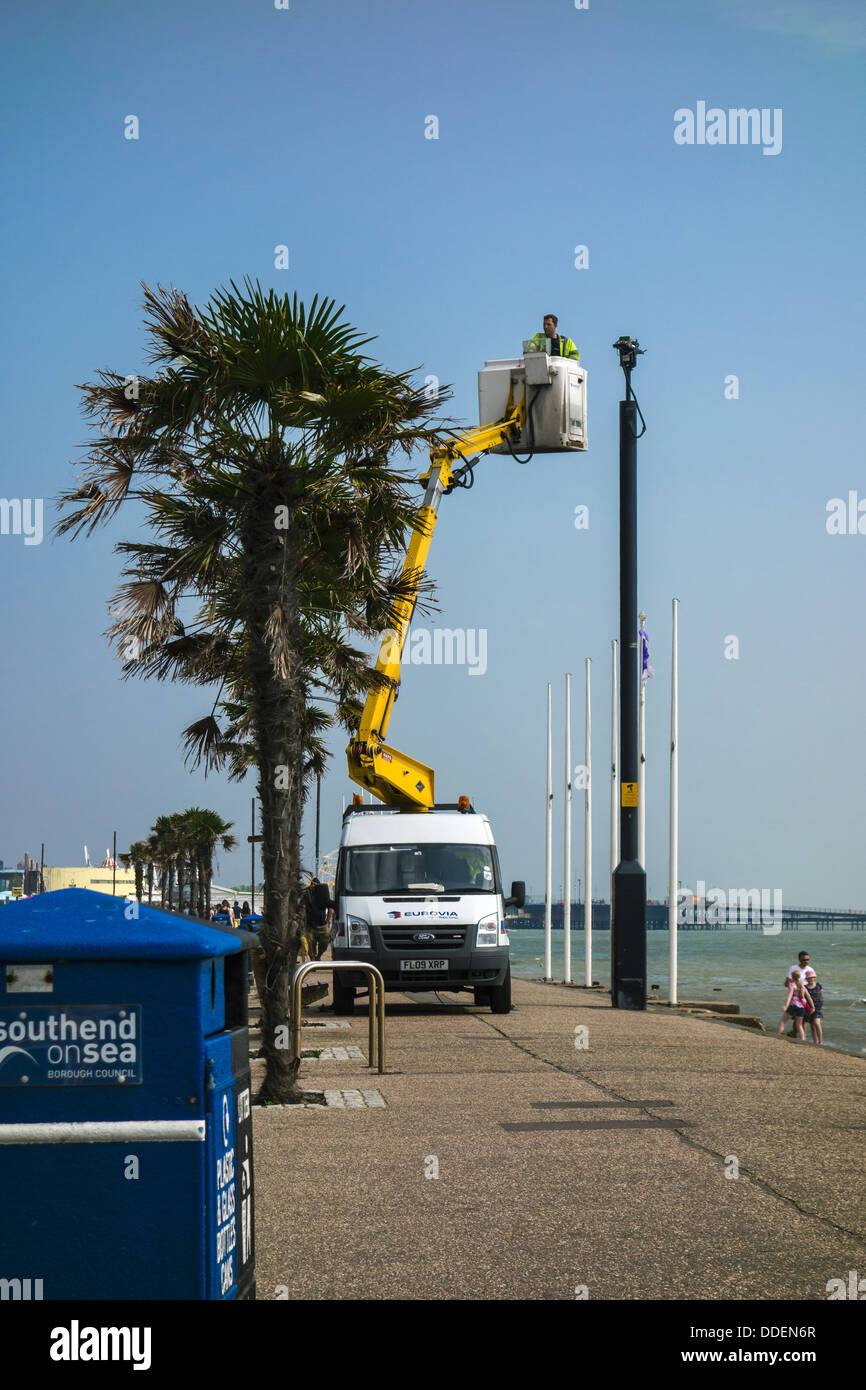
[[423, 936]]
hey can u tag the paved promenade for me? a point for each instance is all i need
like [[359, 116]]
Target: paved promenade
[[602, 1167]]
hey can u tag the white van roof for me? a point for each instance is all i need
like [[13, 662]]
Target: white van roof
[[380, 827]]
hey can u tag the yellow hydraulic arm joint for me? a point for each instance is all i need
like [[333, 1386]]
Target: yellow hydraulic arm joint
[[394, 777], [478, 441]]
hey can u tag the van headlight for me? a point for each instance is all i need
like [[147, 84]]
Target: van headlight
[[487, 932], [359, 932]]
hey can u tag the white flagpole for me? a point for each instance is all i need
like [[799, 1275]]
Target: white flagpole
[[548, 852], [614, 754], [641, 762], [673, 867], [587, 839], [566, 857]]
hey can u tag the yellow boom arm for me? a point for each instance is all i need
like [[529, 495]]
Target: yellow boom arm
[[394, 777]]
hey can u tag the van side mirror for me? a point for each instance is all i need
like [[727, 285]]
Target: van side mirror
[[518, 894]]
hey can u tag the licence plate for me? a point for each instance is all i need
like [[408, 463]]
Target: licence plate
[[423, 964]]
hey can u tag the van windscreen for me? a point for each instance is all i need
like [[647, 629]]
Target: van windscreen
[[372, 870]]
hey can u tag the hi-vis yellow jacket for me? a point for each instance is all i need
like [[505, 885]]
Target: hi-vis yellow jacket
[[562, 347]]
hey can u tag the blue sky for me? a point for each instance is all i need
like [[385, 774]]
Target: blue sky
[[305, 127]]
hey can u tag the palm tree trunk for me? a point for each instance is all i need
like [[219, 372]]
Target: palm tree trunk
[[281, 929], [195, 903], [181, 880], [208, 878], [277, 706], [203, 885]]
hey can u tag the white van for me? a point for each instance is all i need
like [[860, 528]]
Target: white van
[[420, 896]]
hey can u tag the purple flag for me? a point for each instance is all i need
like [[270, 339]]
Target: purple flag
[[646, 669]]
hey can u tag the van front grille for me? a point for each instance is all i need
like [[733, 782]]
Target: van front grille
[[404, 937]]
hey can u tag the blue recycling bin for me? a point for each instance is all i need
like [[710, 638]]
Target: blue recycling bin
[[126, 1156]]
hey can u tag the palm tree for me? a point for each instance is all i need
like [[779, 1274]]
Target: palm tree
[[259, 451], [207, 830], [183, 843], [136, 857], [152, 849], [165, 850]]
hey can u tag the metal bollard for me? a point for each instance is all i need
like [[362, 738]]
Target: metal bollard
[[376, 1009]]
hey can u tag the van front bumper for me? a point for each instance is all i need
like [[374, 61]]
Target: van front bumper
[[472, 969]]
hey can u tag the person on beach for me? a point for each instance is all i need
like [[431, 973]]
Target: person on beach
[[797, 1005], [815, 1018], [807, 975]]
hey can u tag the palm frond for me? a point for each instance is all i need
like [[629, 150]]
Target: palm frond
[[204, 744]]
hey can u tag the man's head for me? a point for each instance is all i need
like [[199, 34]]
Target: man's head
[[803, 958], [549, 325]]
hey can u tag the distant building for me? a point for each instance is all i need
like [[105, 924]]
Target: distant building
[[17, 883], [20, 882], [98, 879]]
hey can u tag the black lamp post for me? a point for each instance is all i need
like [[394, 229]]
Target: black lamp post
[[628, 906]]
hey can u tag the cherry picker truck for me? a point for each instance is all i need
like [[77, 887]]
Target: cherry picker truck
[[418, 889]]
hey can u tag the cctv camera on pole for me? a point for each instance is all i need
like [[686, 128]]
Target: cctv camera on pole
[[628, 897]]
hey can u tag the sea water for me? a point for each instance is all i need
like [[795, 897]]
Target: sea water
[[745, 967]]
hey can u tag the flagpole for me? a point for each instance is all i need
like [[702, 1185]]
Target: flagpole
[[587, 838], [673, 865], [641, 758], [548, 853], [614, 789], [566, 856]]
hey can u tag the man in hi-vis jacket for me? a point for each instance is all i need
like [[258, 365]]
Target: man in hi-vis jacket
[[549, 340]]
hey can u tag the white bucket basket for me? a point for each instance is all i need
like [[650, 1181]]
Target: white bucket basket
[[554, 390]]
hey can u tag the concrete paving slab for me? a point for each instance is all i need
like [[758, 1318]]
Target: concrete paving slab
[[430, 1196]]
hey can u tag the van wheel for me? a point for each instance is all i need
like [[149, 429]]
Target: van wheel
[[344, 997], [500, 995], [482, 997]]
